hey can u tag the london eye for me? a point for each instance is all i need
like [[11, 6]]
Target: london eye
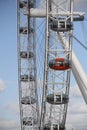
[[45, 62]]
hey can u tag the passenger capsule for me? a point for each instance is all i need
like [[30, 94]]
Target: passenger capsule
[[25, 78], [24, 54], [61, 26], [61, 127], [58, 127], [28, 100], [59, 64], [54, 127], [24, 30], [47, 127], [57, 99], [29, 121], [23, 4]]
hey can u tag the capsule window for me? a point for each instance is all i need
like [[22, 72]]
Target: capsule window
[[52, 63], [67, 63], [60, 63]]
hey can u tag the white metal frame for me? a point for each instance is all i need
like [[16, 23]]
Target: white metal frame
[[29, 112], [51, 113], [57, 44]]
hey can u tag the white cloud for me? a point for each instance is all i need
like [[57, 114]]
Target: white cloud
[[75, 92], [2, 85], [8, 124], [12, 107], [78, 121], [9, 119], [77, 110]]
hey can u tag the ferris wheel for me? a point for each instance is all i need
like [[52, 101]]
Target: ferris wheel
[[45, 61]]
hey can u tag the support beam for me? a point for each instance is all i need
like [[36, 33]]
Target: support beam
[[77, 70], [42, 13]]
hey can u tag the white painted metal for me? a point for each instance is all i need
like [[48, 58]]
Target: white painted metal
[[43, 108], [80, 76], [42, 13], [55, 82], [77, 70], [58, 81], [28, 98]]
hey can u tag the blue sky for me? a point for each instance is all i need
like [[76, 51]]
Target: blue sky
[[9, 113], [8, 68]]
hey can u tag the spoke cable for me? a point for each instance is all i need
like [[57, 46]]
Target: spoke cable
[[82, 44]]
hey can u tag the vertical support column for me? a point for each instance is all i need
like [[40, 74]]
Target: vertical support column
[[43, 106]]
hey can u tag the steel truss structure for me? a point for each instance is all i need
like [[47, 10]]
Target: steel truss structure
[[28, 98], [56, 81], [59, 61]]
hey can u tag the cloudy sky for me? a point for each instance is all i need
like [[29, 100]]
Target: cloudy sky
[[9, 111]]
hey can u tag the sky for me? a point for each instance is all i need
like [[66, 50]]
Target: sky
[[9, 110]]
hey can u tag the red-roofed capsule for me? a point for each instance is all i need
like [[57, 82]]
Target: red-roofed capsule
[[59, 64]]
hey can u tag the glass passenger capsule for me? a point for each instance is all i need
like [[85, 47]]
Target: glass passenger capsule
[[59, 64], [28, 100], [24, 30], [61, 26], [25, 54], [54, 127], [29, 121], [57, 99], [25, 78]]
